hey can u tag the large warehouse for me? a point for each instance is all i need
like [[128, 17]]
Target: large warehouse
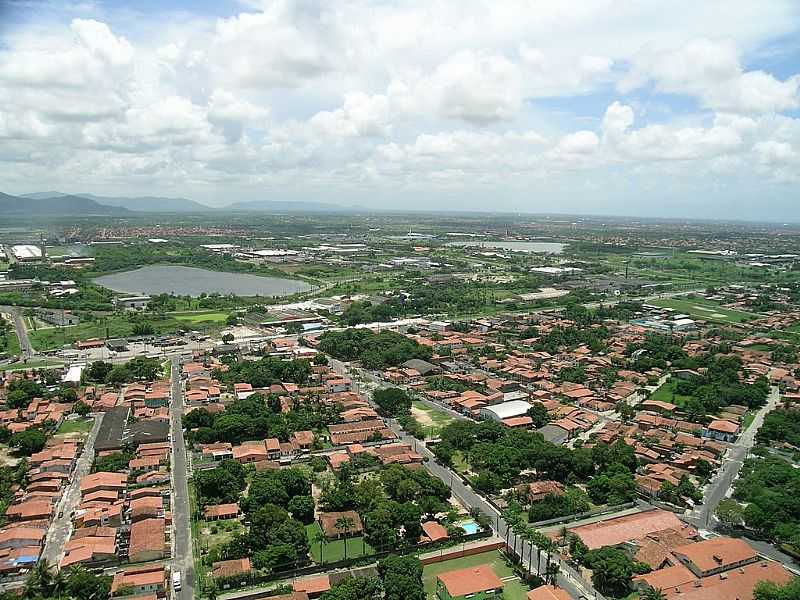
[[505, 410], [27, 252]]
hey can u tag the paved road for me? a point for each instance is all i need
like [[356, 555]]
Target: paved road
[[26, 350], [720, 484], [182, 540], [61, 527]]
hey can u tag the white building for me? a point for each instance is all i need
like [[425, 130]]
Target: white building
[[505, 410], [26, 252]]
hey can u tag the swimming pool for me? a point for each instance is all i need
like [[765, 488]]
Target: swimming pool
[[469, 526]]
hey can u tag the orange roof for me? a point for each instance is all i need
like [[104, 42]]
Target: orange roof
[[737, 583], [229, 568], [666, 578], [470, 581], [723, 425], [615, 531], [315, 585], [154, 575], [434, 531], [548, 592], [715, 553], [147, 534]]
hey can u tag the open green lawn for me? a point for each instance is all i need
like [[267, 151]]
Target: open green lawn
[[749, 417], [700, 308], [431, 419], [200, 316], [514, 589], [33, 364], [666, 393], [334, 550], [460, 463], [217, 533], [10, 344], [76, 426], [111, 327]]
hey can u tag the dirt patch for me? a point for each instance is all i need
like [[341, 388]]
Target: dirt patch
[[422, 417], [6, 460]]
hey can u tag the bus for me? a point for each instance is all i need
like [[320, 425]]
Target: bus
[[176, 581]]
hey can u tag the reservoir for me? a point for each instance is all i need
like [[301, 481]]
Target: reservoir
[[190, 281], [534, 247]]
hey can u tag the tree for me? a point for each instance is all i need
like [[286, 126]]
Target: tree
[[320, 359], [143, 328], [730, 513], [319, 538], [81, 408], [402, 578], [612, 570], [228, 338], [392, 401], [355, 588], [28, 442], [652, 594], [538, 413], [344, 523], [772, 591], [302, 509], [232, 320]]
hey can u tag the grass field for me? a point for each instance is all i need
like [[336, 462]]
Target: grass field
[[200, 317], [11, 344], [217, 533], [431, 419], [76, 426], [665, 393], [334, 551], [33, 364], [513, 589], [113, 327], [706, 310]]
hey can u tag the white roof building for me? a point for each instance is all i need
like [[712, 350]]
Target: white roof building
[[26, 252], [505, 410]]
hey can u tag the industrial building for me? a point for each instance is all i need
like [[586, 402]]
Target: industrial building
[[505, 410]]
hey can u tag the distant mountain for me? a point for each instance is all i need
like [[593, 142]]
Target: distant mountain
[[60, 205], [151, 203], [283, 206], [134, 203]]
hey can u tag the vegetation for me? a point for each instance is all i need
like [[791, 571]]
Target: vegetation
[[265, 372], [136, 369], [392, 402], [372, 350], [770, 591], [782, 426], [256, 418], [74, 583]]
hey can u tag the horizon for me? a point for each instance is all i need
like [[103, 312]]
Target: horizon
[[557, 109]]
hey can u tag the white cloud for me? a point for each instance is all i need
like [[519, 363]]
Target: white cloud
[[331, 96], [711, 72]]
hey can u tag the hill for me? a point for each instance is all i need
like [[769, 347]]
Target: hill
[[55, 206], [151, 203]]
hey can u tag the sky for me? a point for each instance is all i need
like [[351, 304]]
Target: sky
[[646, 108]]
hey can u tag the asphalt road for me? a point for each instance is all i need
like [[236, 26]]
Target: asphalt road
[[60, 528], [26, 350], [717, 489], [182, 560]]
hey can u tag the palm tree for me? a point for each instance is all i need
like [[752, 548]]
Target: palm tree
[[562, 534], [519, 534], [319, 538], [344, 523], [653, 594]]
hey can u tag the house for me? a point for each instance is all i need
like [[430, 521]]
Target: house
[[476, 583], [132, 302], [231, 568], [139, 581], [313, 586], [21, 537], [147, 540], [432, 532], [112, 482], [548, 592], [538, 490], [619, 530], [218, 512], [721, 430], [329, 522], [715, 555]]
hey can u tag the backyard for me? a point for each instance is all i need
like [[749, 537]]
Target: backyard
[[82, 425], [666, 393], [334, 550], [513, 589]]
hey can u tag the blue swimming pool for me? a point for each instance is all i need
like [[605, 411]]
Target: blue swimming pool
[[469, 526]]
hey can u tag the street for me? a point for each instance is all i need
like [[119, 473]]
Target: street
[[60, 528], [182, 561], [26, 350], [717, 489]]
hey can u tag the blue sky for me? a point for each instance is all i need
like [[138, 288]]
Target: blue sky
[[593, 106]]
